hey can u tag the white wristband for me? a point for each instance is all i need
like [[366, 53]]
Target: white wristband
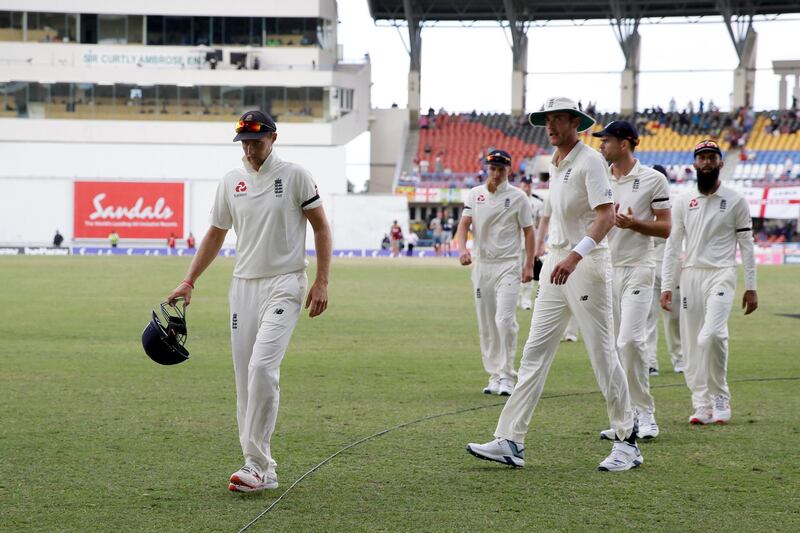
[[586, 245]]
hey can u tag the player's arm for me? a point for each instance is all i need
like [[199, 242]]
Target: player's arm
[[596, 232], [317, 297], [465, 257], [672, 252], [530, 253], [208, 251], [744, 238], [659, 227]]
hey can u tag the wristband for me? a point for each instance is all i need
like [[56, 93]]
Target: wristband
[[586, 245], [188, 282]]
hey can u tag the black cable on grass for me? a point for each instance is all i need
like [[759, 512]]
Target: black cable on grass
[[458, 412]]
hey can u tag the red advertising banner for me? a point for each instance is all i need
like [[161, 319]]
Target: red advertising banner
[[135, 210]]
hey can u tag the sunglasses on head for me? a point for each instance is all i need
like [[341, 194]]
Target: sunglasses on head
[[707, 144], [498, 159], [250, 126]]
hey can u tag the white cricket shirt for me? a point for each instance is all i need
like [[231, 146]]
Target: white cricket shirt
[[577, 186], [711, 226], [497, 221], [643, 190], [265, 209]]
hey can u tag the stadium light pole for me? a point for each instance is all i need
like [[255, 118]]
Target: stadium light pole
[[626, 30], [415, 62], [744, 38], [519, 54]]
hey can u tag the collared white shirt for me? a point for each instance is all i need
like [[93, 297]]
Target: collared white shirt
[[711, 226], [265, 209], [577, 186], [497, 221], [643, 190]]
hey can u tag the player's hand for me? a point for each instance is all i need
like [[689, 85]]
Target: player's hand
[[539, 250], [623, 220], [465, 258], [749, 302], [564, 268], [181, 291], [666, 301], [317, 299], [527, 273]]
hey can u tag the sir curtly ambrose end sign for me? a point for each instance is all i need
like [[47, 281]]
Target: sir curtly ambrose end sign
[[135, 210]]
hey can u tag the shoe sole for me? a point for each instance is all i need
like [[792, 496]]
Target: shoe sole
[[698, 422], [502, 459], [646, 437], [634, 464], [504, 393], [604, 437]]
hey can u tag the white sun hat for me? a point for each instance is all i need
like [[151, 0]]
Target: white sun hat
[[552, 105]]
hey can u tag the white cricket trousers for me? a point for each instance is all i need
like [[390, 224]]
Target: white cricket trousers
[[587, 295], [706, 300], [670, 321], [633, 295], [264, 313], [495, 289]]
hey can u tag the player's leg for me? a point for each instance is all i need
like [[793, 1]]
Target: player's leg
[[526, 289], [692, 316], [672, 331], [652, 322], [485, 308], [550, 317], [506, 289], [636, 294], [282, 298], [713, 341], [244, 319]]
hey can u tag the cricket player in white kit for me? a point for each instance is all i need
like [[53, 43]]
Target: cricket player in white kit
[[268, 203], [499, 216], [642, 212], [576, 279], [711, 222], [524, 302]]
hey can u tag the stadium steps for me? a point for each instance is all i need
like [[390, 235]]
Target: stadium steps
[[731, 162], [410, 151]]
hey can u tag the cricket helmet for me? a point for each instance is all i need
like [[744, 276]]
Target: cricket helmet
[[164, 337]]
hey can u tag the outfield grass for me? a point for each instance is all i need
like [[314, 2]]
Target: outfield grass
[[96, 437]]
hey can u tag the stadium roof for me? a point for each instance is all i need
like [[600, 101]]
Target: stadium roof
[[528, 10]]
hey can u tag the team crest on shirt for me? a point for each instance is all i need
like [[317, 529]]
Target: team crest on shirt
[[480, 199], [609, 194], [723, 205], [567, 174], [278, 188], [240, 189], [694, 204], [508, 203], [636, 183]]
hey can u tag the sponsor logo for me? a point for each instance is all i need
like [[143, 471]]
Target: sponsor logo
[[694, 204], [508, 203], [721, 293], [585, 297], [279, 311], [278, 188], [636, 291], [138, 211], [480, 199], [636, 184], [723, 205], [240, 190], [234, 319]]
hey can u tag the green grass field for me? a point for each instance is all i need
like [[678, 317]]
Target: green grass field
[[96, 437]]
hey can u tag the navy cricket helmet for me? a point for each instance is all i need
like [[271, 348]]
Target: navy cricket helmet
[[163, 339]]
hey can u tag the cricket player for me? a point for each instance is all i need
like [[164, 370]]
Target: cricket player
[[642, 212], [537, 204], [710, 222], [267, 202], [670, 320], [576, 280], [499, 215]]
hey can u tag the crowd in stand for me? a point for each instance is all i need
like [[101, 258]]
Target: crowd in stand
[[774, 231]]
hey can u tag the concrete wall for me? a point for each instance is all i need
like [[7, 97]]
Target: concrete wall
[[389, 133]]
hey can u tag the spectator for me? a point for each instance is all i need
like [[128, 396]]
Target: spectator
[[395, 236], [171, 242], [58, 239], [113, 239], [386, 244], [190, 241], [435, 226], [412, 241]]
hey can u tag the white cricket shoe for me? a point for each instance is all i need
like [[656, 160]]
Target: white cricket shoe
[[702, 415], [570, 338], [250, 479], [499, 450], [506, 387], [648, 429], [493, 386], [721, 410], [678, 368], [608, 434], [624, 456], [653, 371]]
